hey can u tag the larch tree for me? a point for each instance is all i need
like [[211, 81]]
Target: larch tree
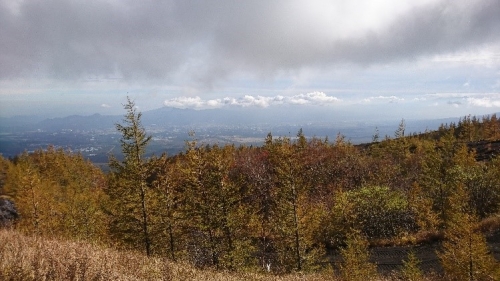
[[58, 194], [25, 187], [356, 265], [465, 254], [166, 214], [491, 127], [252, 172], [128, 188], [410, 269], [214, 218], [294, 249]]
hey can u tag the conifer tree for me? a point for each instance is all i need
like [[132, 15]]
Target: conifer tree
[[287, 179], [252, 172], [400, 132], [466, 129], [356, 265], [25, 186], [166, 212], [128, 190], [294, 220], [57, 193], [211, 204], [491, 127], [410, 270], [465, 254]]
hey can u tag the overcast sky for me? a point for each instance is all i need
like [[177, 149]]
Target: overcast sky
[[403, 58]]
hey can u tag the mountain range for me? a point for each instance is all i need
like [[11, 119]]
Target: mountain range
[[265, 119]]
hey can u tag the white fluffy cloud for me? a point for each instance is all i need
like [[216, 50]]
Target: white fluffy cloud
[[314, 98], [317, 98], [456, 100], [485, 101], [189, 102], [389, 99]]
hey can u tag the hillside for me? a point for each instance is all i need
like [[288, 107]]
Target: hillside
[[26, 258], [294, 204]]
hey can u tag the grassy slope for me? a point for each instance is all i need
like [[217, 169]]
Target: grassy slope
[[30, 258]]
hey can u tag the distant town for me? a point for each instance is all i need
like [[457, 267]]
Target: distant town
[[96, 138]]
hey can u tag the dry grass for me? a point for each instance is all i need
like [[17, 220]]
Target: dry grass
[[29, 258], [490, 224], [33, 258], [421, 237]]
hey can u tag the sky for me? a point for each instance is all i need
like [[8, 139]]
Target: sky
[[397, 58]]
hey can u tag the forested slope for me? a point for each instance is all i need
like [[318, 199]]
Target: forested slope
[[282, 207]]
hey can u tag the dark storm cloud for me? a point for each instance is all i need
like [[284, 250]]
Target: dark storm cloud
[[208, 40], [445, 26]]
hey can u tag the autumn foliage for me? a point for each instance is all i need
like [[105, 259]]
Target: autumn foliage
[[281, 208]]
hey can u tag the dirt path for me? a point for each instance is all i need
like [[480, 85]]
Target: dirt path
[[391, 258]]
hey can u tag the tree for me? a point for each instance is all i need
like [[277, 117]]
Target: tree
[[166, 214], [390, 216], [128, 182], [491, 127], [400, 132], [252, 172], [465, 254], [356, 265], [58, 194], [25, 186], [466, 129], [294, 219], [410, 270], [376, 135], [213, 218]]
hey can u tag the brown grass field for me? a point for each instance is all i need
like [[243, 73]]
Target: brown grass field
[[34, 258]]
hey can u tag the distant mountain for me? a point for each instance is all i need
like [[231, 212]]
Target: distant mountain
[[19, 122], [73, 122], [265, 118], [167, 117], [77, 122], [226, 116]]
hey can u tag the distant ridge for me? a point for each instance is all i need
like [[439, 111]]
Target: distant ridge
[[266, 118]]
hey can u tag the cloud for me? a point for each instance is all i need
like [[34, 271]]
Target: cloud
[[189, 102], [205, 42], [104, 105], [464, 95], [314, 98], [317, 98], [389, 99], [454, 103], [485, 102]]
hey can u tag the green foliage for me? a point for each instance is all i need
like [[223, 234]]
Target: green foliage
[[422, 207], [376, 211], [410, 270], [128, 188], [465, 254], [4, 166], [356, 265], [212, 205]]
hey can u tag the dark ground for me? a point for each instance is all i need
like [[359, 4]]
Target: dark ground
[[389, 259]]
